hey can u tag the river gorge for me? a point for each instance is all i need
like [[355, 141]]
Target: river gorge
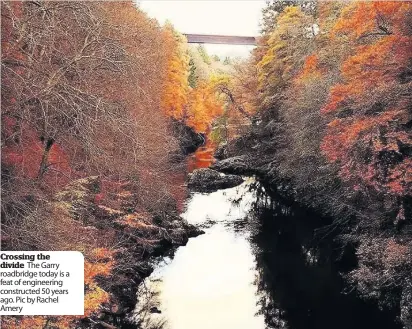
[[262, 263]]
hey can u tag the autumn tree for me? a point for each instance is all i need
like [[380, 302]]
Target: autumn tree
[[369, 139], [82, 92], [204, 103], [333, 128], [369, 134], [176, 87], [301, 126], [204, 106], [283, 54], [274, 8], [237, 89], [42, 85], [142, 90]]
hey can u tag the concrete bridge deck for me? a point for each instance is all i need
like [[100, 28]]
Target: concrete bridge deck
[[220, 39]]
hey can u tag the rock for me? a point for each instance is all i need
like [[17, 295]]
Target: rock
[[238, 165], [191, 230], [221, 152], [208, 180], [189, 139]]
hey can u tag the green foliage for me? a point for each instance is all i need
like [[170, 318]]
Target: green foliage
[[193, 77], [271, 12], [215, 58], [219, 132], [203, 53]]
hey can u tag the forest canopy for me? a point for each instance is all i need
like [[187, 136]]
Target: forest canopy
[[333, 123], [321, 110]]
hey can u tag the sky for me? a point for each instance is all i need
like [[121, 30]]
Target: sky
[[210, 17]]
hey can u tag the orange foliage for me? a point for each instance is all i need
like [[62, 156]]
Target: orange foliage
[[91, 270], [372, 68], [101, 266], [94, 297], [196, 107], [37, 322], [310, 69], [368, 134], [113, 64], [204, 106], [176, 86], [361, 18], [101, 254], [344, 134], [26, 156]]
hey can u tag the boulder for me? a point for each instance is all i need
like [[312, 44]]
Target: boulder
[[239, 165], [208, 180], [189, 140], [221, 152]]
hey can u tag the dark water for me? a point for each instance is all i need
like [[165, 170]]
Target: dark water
[[260, 264]]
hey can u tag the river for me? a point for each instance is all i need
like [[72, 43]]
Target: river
[[260, 264]]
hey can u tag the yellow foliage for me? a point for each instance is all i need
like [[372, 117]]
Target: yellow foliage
[[34, 322], [95, 296], [91, 270], [278, 61], [101, 254]]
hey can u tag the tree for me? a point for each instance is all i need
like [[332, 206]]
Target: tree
[[82, 89], [368, 133], [176, 85], [284, 53], [204, 106], [369, 139], [216, 58], [203, 53], [274, 8], [193, 77], [227, 61]]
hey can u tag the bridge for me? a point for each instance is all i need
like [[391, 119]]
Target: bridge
[[220, 39]]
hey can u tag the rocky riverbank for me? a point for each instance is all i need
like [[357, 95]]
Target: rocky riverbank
[[140, 236], [380, 241], [209, 180], [189, 140]]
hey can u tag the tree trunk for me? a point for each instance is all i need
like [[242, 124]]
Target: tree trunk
[[43, 164]]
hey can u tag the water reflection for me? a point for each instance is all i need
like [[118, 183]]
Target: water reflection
[[259, 265], [209, 283], [202, 157], [298, 274]]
